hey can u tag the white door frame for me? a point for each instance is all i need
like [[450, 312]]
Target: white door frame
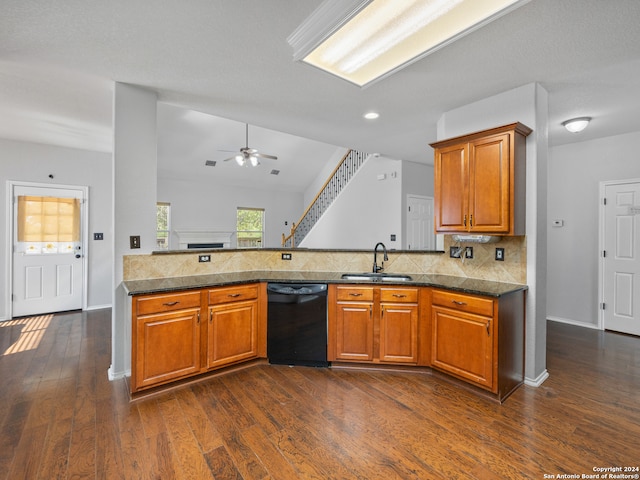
[[601, 238], [84, 226]]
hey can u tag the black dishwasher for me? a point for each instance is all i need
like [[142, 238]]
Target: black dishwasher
[[297, 324]]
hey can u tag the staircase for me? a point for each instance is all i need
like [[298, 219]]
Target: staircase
[[340, 177]]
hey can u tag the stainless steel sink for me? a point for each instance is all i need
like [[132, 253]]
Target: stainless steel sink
[[376, 277]]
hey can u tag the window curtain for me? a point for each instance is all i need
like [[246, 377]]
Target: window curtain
[[48, 219]]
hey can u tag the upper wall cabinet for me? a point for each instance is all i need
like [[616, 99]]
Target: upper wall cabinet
[[480, 183]]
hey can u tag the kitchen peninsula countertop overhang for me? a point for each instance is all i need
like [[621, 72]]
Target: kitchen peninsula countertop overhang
[[449, 282]]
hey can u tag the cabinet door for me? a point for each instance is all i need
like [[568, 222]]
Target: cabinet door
[[462, 344], [167, 347], [354, 331], [490, 186], [233, 333], [399, 333], [450, 188]]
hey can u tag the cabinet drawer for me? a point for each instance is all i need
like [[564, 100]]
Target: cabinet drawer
[[233, 294], [399, 295], [462, 302], [353, 294], [167, 302]]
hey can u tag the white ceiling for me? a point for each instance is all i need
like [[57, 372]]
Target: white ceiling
[[230, 59]]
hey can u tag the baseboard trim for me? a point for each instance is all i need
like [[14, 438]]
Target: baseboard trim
[[117, 375], [568, 321], [539, 380], [97, 307]]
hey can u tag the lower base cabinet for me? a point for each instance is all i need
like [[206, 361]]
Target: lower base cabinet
[[181, 334], [369, 324], [474, 338], [478, 339]]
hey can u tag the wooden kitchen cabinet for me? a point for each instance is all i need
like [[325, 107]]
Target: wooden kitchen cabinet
[[370, 324], [399, 325], [351, 325], [479, 339], [479, 182], [181, 334], [234, 327], [166, 338]]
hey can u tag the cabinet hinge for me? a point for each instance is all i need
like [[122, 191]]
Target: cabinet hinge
[[603, 306], [604, 200], [604, 253]]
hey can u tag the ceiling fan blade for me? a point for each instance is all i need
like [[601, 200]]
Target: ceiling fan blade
[[264, 155]]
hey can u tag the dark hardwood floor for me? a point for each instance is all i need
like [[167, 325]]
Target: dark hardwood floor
[[61, 418]]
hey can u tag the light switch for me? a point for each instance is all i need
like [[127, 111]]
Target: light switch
[[134, 241]]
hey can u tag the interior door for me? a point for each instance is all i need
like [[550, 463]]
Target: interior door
[[621, 260], [420, 228], [47, 262]]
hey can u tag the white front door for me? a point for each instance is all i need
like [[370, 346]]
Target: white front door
[[47, 262], [621, 257], [420, 229]]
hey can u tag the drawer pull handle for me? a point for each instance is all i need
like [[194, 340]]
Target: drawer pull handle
[[355, 294], [170, 304], [458, 302], [234, 295], [488, 325], [399, 295]]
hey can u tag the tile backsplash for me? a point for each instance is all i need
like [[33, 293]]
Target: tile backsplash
[[483, 264]]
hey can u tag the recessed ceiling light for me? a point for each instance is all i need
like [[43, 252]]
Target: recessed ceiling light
[[371, 115]]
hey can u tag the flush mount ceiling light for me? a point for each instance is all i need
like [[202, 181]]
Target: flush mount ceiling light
[[371, 115], [576, 125], [363, 41]]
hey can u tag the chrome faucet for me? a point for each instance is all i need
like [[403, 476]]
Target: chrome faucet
[[377, 268]]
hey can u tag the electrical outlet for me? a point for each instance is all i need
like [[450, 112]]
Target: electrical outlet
[[98, 236], [286, 256], [468, 252], [134, 241], [500, 254], [455, 252], [204, 258]]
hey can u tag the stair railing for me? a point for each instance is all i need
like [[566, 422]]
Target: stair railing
[[347, 167]]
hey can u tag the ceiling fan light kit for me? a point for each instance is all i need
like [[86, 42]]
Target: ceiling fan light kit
[[249, 156]]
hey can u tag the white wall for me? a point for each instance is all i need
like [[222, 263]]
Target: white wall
[[314, 187], [575, 171], [198, 205], [528, 105], [31, 162], [366, 212], [417, 179], [134, 201]]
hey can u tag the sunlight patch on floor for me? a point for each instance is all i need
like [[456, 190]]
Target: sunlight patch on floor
[[33, 329]]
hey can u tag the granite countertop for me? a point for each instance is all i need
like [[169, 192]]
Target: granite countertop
[[450, 282]]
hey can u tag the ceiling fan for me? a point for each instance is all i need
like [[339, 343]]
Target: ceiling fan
[[249, 156]]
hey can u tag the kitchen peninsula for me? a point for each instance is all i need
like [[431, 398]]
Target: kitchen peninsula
[[467, 328]]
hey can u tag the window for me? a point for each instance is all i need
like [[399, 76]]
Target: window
[[163, 225], [48, 224], [250, 227]]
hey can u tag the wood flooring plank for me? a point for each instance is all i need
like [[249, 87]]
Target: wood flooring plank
[[221, 464], [205, 432], [187, 449]]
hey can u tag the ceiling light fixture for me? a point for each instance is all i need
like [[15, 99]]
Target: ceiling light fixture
[[371, 115], [363, 41], [576, 125]]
